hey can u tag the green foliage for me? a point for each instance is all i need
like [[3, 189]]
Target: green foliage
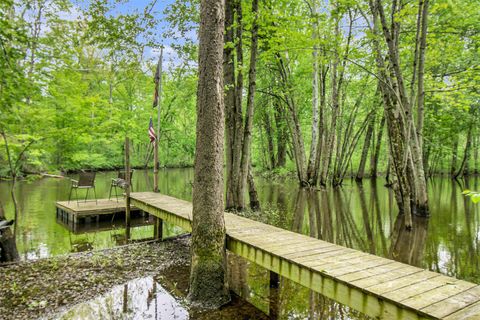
[[474, 195], [78, 86]]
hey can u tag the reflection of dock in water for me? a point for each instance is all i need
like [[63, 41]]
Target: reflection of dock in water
[[75, 212], [376, 286], [105, 223]]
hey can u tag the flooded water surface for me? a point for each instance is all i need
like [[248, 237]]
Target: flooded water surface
[[360, 216]]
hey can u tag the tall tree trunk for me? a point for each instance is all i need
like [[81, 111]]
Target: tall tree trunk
[[229, 79], [311, 174], [208, 286], [421, 72], [293, 123], [406, 151], [247, 135]]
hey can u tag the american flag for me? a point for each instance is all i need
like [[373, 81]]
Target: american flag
[[151, 131]]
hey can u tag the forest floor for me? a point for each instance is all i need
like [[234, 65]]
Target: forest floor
[[46, 287], [37, 288]]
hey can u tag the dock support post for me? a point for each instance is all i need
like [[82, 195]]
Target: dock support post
[[274, 295], [127, 189], [158, 229]]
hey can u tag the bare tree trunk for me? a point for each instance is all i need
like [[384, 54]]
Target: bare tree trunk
[[208, 285]]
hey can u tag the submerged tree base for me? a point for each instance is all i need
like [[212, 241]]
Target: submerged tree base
[[207, 295]]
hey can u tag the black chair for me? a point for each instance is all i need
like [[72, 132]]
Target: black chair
[[119, 182], [86, 180]]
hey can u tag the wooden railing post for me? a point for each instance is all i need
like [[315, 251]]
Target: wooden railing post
[[158, 229], [127, 189]]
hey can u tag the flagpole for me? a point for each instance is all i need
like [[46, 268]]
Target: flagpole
[[156, 164]]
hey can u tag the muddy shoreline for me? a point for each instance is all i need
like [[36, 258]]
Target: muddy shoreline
[[40, 288]]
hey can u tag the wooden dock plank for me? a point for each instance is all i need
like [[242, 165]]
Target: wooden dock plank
[[450, 305], [376, 286], [470, 312], [436, 295]]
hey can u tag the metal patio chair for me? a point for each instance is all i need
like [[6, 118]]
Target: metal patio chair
[[120, 182], [86, 180]]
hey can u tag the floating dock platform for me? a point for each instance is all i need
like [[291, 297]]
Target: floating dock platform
[[75, 212]]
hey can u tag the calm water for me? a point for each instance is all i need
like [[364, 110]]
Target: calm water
[[358, 216]]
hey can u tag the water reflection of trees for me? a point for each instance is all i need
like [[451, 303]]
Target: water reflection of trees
[[364, 217]]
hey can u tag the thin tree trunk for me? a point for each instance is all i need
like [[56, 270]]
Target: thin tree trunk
[[247, 135], [270, 144], [378, 145], [208, 285], [311, 175], [293, 122], [421, 73], [239, 195], [366, 147], [282, 138], [252, 191], [229, 79], [453, 165], [464, 167]]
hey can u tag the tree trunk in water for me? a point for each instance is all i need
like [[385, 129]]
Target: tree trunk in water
[[464, 167], [366, 147], [293, 123], [238, 195], [229, 79], [8, 245], [405, 148], [247, 135], [208, 286], [252, 191], [311, 174]]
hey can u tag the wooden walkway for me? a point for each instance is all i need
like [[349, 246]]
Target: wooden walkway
[[73, 211], [373, 285]]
